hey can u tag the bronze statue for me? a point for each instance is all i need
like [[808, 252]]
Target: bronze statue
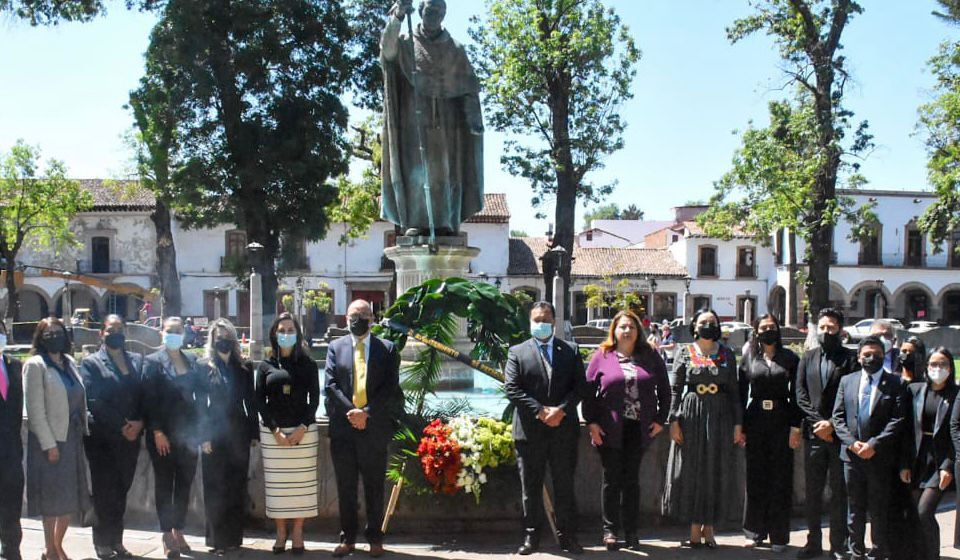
[[432, 126]]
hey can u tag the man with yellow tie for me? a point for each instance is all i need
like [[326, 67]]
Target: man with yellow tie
[[362, 391]]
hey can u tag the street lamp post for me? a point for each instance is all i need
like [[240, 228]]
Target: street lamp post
[[256, 303], [686, 296], [559, 302], [879, 300], [652, 312]]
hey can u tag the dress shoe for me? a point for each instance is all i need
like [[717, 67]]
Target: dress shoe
[[376, 550], [105, 552], [710, 543], [778, 548], [343, 549], [122, 551], [570, 544], [529, 546], [633, 542], [691, 544], [182, 542], [610, 541], [171, 549], [809, 551], [840, 555]]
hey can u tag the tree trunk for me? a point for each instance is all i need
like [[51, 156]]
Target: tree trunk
[[167, 260], [791, 312], [566, 184], [13, 298]]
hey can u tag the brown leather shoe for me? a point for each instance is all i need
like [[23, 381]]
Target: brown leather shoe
[[342, 550], [376, 550]]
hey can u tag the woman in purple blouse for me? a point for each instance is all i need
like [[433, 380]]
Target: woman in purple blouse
[[627, 407]]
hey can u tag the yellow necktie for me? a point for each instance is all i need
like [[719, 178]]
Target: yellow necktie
[[359, 376]]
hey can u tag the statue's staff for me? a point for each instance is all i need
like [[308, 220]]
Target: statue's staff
[[443, 349], [417, 120]]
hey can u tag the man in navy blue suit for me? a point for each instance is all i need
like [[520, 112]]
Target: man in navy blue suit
[[868, 416]]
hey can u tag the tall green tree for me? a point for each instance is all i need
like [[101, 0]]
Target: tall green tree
[[35, 208], [555, 74], [808, 33], [939, 123], [256, 86], [156, 147], [612, 211]]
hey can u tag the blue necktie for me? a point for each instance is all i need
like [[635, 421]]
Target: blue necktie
[[863, 414], [545, 353]]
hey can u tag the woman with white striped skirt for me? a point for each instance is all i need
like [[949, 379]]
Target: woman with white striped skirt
[[288, 393]]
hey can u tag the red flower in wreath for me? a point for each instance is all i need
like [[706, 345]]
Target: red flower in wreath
[[439, 457]]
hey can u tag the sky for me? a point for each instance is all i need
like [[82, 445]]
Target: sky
[[64, 88]]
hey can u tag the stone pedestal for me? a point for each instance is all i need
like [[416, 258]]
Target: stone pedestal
[[416, 262]]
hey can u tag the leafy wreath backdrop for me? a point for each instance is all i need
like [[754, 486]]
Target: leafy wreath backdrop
[[495, 321]]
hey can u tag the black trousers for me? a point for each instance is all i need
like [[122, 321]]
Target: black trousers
[[559, 451], [823, 466], [927, 500], [868, 492], [769, 476], [620, 488], [360, 457], [11, 503], [903, 524], [173, 476], [225, 492], [113, 464]]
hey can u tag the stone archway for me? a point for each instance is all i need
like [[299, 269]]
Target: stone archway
[[949, 304], [81, 296], [34, 304], [913, 301]]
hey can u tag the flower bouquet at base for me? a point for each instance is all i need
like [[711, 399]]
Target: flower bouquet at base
[[439, 457], [485, 443]]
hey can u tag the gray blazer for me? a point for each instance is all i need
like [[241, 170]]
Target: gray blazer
[[48, 413]]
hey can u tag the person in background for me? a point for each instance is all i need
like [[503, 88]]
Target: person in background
[[113, 379], [903, 526], [883, 329], [867, 417], [11, 451], [706, 426], [653, 339], [771, 425], [668, 344], [545, 380], [288, 394], [818, 377], [930, 456], [626, 407], [234, 426], [57, 419], [362, 387], [176, 394]]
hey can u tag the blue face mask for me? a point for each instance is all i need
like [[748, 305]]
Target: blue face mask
[[286, 341], [541, 331], [173, 341]]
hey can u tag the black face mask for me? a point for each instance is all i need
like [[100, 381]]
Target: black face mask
[[223, 346], [359, 326], [55, 342], [906, 361], [710, 331], [829, 341], [871, 364], [114, 341], [768, 337]]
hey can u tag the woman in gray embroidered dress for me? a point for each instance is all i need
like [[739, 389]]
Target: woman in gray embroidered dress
[[706, 428]]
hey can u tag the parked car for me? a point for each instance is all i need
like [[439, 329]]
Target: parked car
[[734, 326], [860, 329], [82, 317], [922, 326], [599, 323]]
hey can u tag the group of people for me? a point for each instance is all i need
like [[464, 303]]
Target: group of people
[[878, 425], [88, 419]]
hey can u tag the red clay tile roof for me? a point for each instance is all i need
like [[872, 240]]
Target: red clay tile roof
[[697, 231], [117, 195], [596, 262], [495, 210]]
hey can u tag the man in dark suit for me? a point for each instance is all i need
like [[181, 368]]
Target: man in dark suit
[[545, 379], [362, 390], [11, 452], [867, 416], [818, 377], [884, 330]]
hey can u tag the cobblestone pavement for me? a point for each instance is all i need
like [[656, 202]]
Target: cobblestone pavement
[[257, 545]]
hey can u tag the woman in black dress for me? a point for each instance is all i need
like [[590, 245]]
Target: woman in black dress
[[771, 425], [232, 417], [176, 394], [288, 394], [705, 426]]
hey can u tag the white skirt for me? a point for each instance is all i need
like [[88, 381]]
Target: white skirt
[[290, 474]]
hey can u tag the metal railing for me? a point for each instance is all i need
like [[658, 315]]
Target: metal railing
[[99, 267]]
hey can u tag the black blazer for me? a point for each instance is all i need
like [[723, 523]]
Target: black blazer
[[384, 396], [178, 410], [943, 451], [112, 398], [232, 403], [816, 401], [530, 389], [886, 418], [11, 411]]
